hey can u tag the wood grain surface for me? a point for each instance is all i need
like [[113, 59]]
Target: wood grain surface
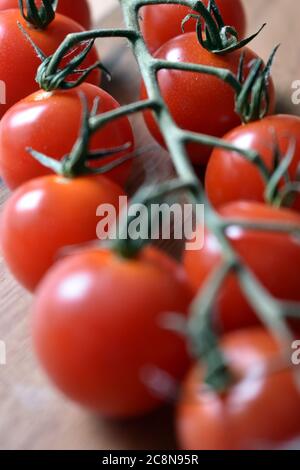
[[33, 415]]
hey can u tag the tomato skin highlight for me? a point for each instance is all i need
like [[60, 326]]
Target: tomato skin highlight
[[50, 123], [79, 11], [19, 63], [48, 214], [160, 23], [229, 177], [240, 419], [273, 257], [199, 102], [96, 328]]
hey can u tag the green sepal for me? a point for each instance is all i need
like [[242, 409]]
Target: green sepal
[[38, 17]]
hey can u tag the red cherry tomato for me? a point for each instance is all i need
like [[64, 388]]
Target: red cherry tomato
[[261, 410], [160, 23], [230, 177], [50, 123], [273, 257], [79, 11], [18, 60], [98, 329], [199, 102], [48, 214]]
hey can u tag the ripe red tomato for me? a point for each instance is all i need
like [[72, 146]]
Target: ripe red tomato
[[273, 257], [47, 214], [79, 11], [160, 23], [18, 60], [198, 102], [230, 177], [98, 329], [244, 417], [50, 123]]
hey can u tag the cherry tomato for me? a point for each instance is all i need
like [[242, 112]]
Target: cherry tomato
[[273, 257], [261, 410], [18, 60], [79, 11], [199, 102], [48, 214], [160, 23], [230, 177], [50, 123], [98, 329]]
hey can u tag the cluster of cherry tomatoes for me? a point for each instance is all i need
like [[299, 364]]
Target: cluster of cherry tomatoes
[[98, 317]]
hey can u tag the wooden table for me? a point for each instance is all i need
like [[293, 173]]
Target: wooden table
[[33, 415]]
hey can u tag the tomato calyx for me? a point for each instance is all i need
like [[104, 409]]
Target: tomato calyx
[[38, 17], [201, 331], [215, 36], [218, 375], [280, 189], [51, 77], [76, 163], [127, 247], [275, 194], [252, 101]]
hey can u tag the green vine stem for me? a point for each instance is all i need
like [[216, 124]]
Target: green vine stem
[[251, 97], [273, 313]]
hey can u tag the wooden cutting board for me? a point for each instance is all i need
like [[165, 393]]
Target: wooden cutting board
[[33, 415]]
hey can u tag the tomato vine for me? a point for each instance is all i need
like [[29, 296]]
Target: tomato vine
[[272, 312]]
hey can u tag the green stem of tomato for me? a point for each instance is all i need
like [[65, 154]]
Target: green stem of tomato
[[270, 311], [72, 40], [223, 74], [49, 70]]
